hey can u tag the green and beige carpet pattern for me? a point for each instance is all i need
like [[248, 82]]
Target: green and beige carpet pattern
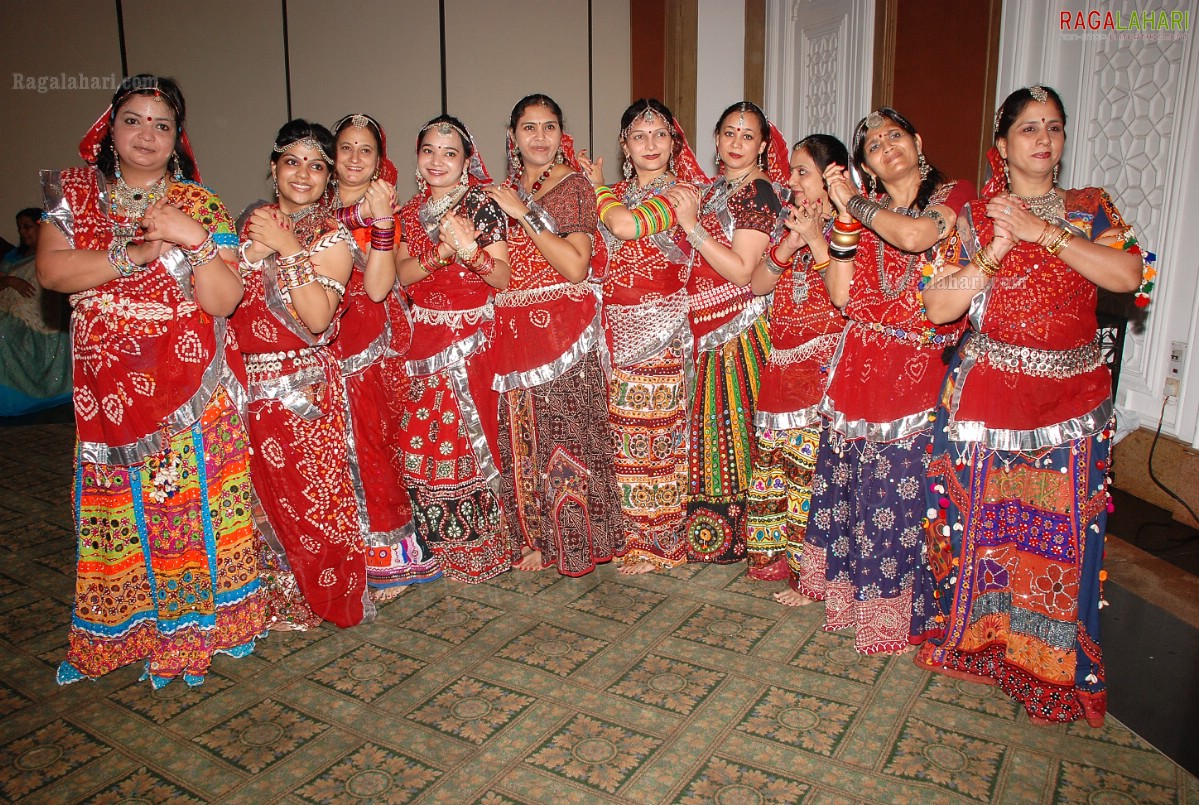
[[686, 687]]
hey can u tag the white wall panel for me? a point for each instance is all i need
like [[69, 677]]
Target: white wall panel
[[229, 62], [381, 57], [51, 41]]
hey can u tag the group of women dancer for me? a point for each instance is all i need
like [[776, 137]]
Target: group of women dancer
[[888, 393]]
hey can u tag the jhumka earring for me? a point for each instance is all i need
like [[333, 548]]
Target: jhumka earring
[[559, 157], [275, 186], [1055, 169], [462, 177], [514, 164], [627, 168], [1007, 182], [116, 162], [762, 159], [869, 181], [176, 169], [924, 168], [670, 163], [421, 184]]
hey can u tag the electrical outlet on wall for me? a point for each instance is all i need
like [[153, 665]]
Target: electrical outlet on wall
[[1171, 389]]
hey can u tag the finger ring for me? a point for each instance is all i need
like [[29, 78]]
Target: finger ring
[[1007, 210]]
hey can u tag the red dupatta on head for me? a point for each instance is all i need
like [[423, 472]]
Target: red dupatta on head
[[93, 140], [686, 166]]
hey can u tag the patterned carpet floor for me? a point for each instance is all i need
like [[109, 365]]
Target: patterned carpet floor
[[687, 687]]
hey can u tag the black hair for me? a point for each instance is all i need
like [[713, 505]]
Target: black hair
[[300, 129], [928, 185], [372, 126], [746, 106], [536, 99], [459, 127], [155, 87], [825, 150], [1013, 106], [34, 213]]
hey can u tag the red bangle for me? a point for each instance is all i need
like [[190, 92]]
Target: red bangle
[[852, 226]]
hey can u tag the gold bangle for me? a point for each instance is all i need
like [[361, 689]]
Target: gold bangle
[[820, 268], [1060, 242], [986, 263]]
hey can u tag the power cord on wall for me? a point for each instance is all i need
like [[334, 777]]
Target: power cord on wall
[[1153, 476]]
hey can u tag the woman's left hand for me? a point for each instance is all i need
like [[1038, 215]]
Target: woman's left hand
[[508, 200], [805, 220], [273, 231], [1011, 215], [457, 232], [168, 223]]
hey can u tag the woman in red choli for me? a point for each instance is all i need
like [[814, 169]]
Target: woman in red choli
[[1022, 438], [372, 338], [805, 327], [451, 261], [729, 228], [296, 260], [555, 441], [645, 315], [166, 570], [864, 555]]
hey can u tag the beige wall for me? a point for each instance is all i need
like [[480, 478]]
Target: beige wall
[[375, 56]]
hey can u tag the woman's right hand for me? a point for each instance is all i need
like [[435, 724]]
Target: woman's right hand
[[685, 200], [840, 187], [594, 171], [507, 199], [380, 199], [272, 230]]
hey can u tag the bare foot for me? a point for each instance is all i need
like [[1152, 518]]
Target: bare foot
[[381, 595], [636, 568], [792, 598], [529, 560]]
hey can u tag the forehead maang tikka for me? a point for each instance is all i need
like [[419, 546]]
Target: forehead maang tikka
[[307, 142]]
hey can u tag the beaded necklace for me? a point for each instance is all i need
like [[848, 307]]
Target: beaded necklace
[[435, 209], [541, 180], [721, 192]]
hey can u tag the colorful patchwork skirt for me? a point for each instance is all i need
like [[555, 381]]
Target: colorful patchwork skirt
[[1016, 545], [723, 445], [648, 411], [167, 569], [780, 497]]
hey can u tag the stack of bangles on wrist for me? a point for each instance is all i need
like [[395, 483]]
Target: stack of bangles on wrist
[[697, 236], [863, 209], [295, 270], [652, 216], [351, 216], [200, 255], [118, 258], [432, 260], [987, 264], [774, 264], [843, 242], [383, 238], [476, 259], [1054, 244]]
